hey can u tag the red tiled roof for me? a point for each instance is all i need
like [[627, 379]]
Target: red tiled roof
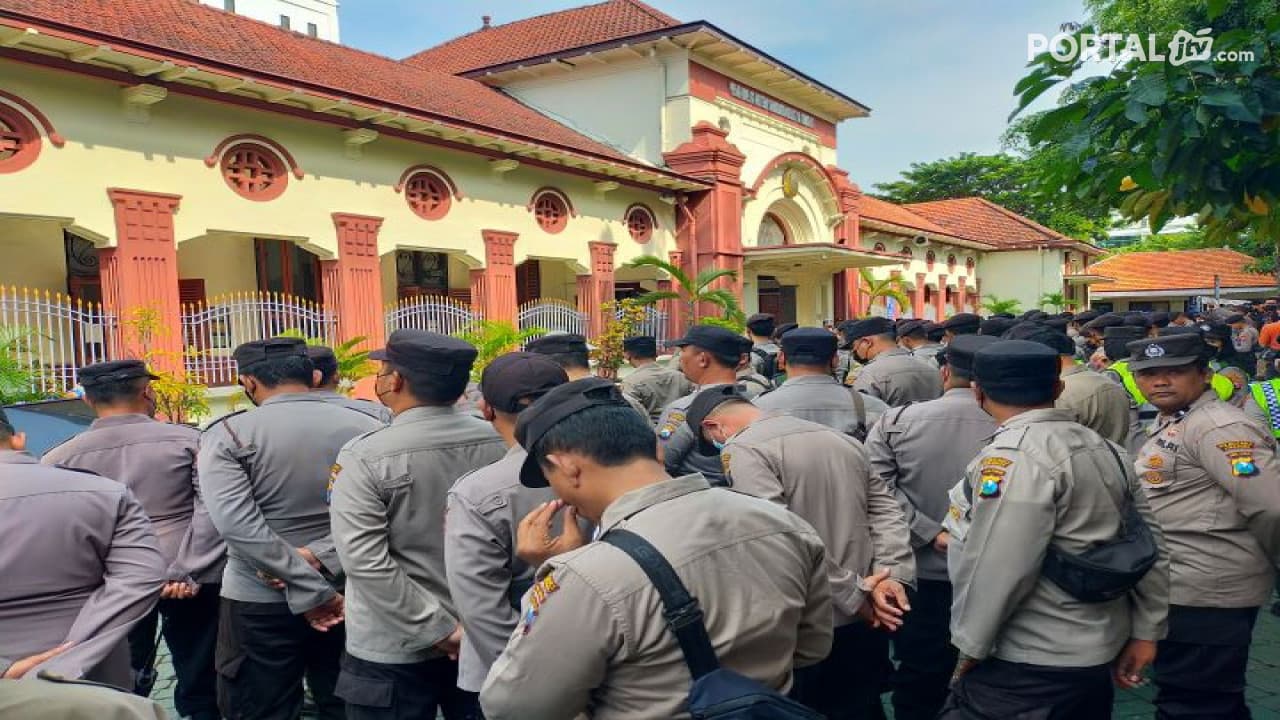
[[981, 220], [1177, 270], [542, 35], [203, 33], [873, 208]]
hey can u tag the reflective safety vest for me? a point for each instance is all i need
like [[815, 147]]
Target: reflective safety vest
[[1267, 395], [1221, 385]]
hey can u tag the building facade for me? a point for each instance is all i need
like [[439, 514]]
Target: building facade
[[316, 18], [1179, 280], [508, 174]]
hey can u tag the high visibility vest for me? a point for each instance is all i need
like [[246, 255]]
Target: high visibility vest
[[1267, 395], [1221, 385]]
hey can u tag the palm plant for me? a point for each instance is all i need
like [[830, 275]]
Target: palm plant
[[890, 288], [1055, 300], [492, 338], [996, 306], [19, 380], [353, 361], [691, 291]]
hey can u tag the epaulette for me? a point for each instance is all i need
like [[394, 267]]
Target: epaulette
[[224, 418]]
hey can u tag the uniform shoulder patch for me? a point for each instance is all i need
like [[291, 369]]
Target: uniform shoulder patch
[[1240, 454], [668, 428], [334, 471], [541, 591], [991, 472]]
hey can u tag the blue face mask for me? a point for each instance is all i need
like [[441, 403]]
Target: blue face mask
[[717, 444]]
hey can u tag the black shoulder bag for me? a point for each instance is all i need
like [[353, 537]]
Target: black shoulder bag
[[1107, 570], [716, 693]]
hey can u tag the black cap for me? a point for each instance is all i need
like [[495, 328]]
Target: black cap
[[907, 328], [1085, 316], [1216, 330], [960, 352], [704, 403], [761, 324], [427, 351], [1057, 323], [1232, 319], [1116, 339], [995, 326], [111, 372], [559, 403], [642, 345], [1138, 320], [321, 353], [809, 346], [1034, 315], [1159, 319], [962, 323], [256, 351], [783, 329], [712, 338], [1178, 330], [510, 378], [1104, 321], [934, 331], [859, 329], [1043, 334], [558, 344], [1016, 366], [1167, 351]]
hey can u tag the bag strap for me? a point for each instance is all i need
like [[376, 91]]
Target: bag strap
[[859, 407], [681, 610]]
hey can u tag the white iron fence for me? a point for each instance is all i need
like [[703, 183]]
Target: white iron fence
[[211, 330], [655, 324], [434, 313], [551, 315], [53, 336]]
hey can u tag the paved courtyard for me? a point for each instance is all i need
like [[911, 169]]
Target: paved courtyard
[[1263, 694]]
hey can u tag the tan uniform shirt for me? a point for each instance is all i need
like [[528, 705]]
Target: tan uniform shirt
[[1214, 482], [753, 384], [1099, 404], [1047, 480], [921, 452], [485, 509], [897, 378], [78, 564], [656, 387], [157, 462], [824, 477], [929, 352], [592, 638], [388, 512], [265, 475], [820, 399], [680, 447], [30, 699]]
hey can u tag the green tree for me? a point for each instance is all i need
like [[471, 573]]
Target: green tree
[[890, 288], [353, 360], [492, 338], [1012, 181], [690, 292], [996, 305], [1154, 140]]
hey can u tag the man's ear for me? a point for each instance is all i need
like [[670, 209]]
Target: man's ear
[[568, 467], [316, 377], [18, 442]]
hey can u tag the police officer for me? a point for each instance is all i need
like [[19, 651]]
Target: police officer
[[709, 356], [907, 453], [1099, 404], [651, 384], [1114, 349], [890, 373], [485, 508], [1214, 482], [996, 326], [913, 337], [593, 638], [812, 393], [389, 497], [263, 474], [327, 382], [1044, 484], [751, 383], [79, 567], [960, 324], [157, 462], [764, 350], [571, 352], [811, 469]]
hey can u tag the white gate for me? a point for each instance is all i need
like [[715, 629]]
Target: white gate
[[552, 316], [54, 336], [654, 323], [434, 313], [211, 330]]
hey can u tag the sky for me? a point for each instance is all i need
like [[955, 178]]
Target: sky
[[938, 75]]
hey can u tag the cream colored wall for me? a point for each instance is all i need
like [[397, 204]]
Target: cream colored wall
[[620, 103], [1024, 275], [895, 243], [226, 262], [33, 254], [167, 155], [805, 215], [758, 136], [558, 280]]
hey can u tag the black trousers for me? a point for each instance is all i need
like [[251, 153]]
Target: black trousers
[[923, 651], [264, 653], [191, 632], [997, 690], [1200, 667], [847, 685], [382, 691]]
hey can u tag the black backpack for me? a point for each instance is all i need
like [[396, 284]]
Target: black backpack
[[716, 693], [768, 364]]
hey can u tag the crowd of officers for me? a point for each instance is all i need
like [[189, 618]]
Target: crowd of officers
[[885, 507]]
